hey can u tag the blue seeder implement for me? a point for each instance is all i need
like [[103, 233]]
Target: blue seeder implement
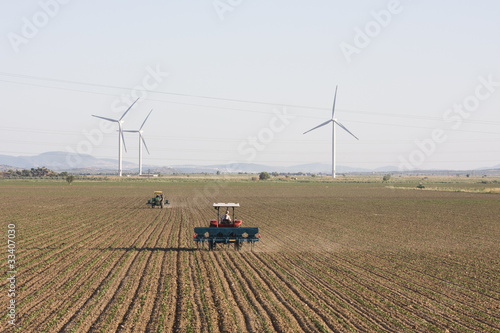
[[225, 231]]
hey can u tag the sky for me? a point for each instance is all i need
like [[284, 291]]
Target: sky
[[239, 81]]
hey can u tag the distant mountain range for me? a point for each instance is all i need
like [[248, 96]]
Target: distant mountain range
[[61, 161], [87, 164]]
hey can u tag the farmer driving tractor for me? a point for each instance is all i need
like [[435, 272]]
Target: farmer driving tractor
[[226, 218]]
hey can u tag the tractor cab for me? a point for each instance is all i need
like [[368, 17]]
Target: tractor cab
[[224, 218]]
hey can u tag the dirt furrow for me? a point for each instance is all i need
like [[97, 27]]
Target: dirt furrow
[[245, 311], [441, 313], [163, 278], [141, 303], [363, 296], [86, 305], [129, 281], [296, 303]]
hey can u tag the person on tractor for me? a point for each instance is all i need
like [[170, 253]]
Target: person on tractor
[[226, 218]]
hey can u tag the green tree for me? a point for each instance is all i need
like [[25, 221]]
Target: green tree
[[386, 178], [264, 176], [70, 179]]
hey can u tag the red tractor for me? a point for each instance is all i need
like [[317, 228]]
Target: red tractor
[[225, 230]]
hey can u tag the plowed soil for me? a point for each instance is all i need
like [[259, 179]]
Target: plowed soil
[[333, 257]]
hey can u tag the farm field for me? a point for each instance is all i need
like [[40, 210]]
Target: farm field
[[333, 257]]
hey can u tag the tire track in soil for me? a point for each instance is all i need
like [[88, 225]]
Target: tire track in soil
[[85, 304], [127, 281]]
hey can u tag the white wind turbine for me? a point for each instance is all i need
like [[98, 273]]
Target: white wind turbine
[[333, 121], [121, 139], [141, 141]]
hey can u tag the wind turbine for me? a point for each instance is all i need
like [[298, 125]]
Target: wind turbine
[[121, 139], [333, 121], [141, 141]]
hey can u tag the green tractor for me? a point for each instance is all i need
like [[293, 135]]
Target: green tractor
[[158, 200]]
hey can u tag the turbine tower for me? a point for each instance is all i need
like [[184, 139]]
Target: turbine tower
[[333, 121], [141, 141], [121, 139]]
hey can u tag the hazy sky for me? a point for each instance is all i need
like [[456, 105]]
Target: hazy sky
[[241, 80]]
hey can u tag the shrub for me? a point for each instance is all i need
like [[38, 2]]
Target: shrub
[[70, 179], [264, 176]]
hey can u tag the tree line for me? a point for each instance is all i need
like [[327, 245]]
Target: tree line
[[35, 173]]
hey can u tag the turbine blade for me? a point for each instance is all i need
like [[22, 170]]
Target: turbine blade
[[108, 119], [145, 119], [334, 99], [343, 127], [130, 131], [123, 139], [145, 145], [323, 124], [129, 108]]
